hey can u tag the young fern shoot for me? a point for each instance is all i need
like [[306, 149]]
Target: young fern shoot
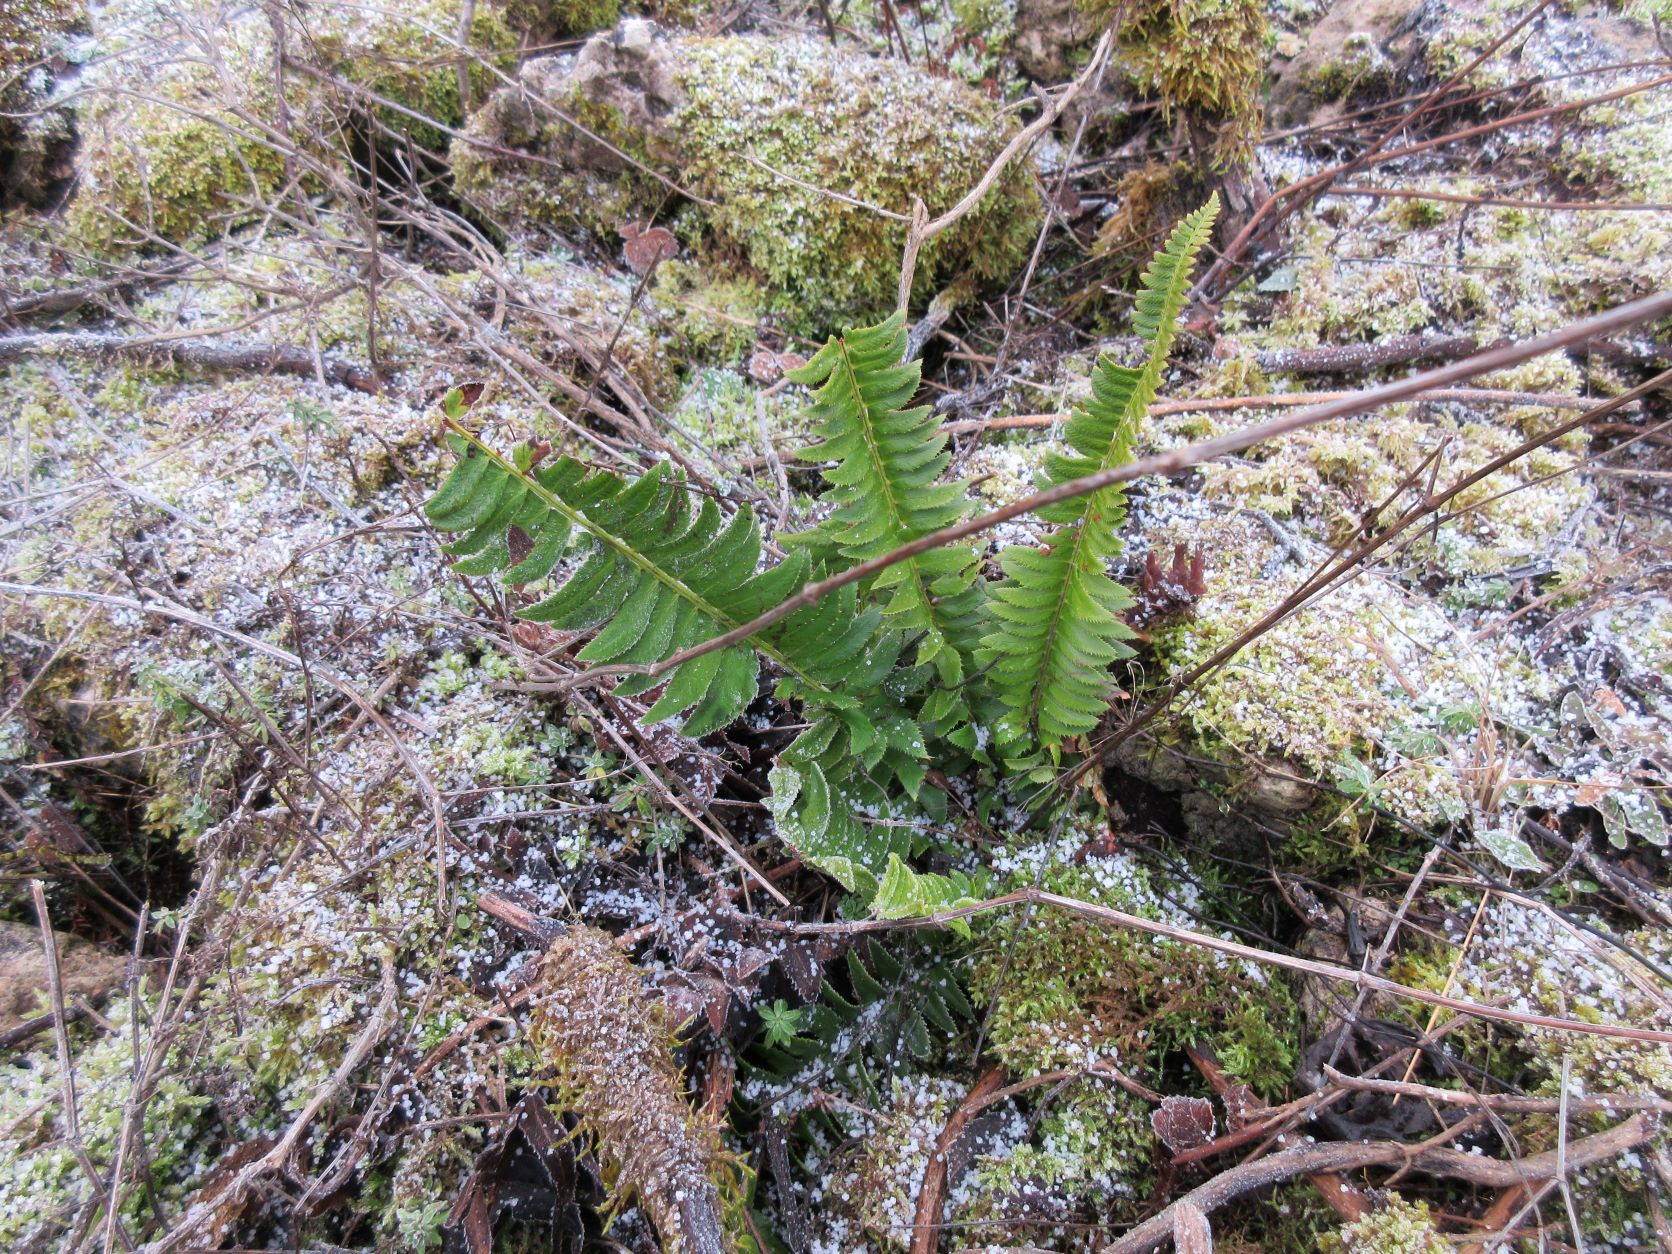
[[1056, 612]]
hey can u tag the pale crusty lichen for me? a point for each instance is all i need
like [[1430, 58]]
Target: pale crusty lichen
[[1531, 960]]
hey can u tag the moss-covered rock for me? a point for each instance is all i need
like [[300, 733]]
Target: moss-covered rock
[[757, 128], [35, 140], [183, 148], [1203, 59], [1050, 35], [1347, 54]]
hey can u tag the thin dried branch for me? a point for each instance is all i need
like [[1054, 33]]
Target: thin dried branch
[[1438, 1160], [68, 1102], [1504, 202], [924, 228], [55, 303], [1609, 1103], [1352, 976], [1282, 400], [206, 354], [925, 1226], [1358, 358]]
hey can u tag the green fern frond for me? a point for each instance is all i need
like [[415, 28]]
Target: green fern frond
[[885, 486], [1056, 613], [660, 576]]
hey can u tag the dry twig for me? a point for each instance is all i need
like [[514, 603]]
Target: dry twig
[[1342, 1156]]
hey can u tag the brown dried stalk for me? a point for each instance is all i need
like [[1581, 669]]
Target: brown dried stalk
[[609, 1050], [1281, 400], [1344, 1156], [207, 354]]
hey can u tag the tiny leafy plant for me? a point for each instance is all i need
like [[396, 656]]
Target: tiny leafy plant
[[782, 1023], [923, 664]]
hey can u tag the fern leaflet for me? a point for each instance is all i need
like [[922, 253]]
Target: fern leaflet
[[1056, 612]]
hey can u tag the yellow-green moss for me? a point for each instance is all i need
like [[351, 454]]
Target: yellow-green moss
[[177, 168], [1394, 1227], [1094, 1153], [1075, 991], [1204, 58], [42, 1185], [719, 317], [582, 17], [717, 409], [877, 131]]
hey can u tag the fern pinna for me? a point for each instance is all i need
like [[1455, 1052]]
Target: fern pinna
[[1056, 613]]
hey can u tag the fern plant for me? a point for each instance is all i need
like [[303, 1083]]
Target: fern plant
[[1057, 624], [657, 570], [899, 1004], [657, 575]]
